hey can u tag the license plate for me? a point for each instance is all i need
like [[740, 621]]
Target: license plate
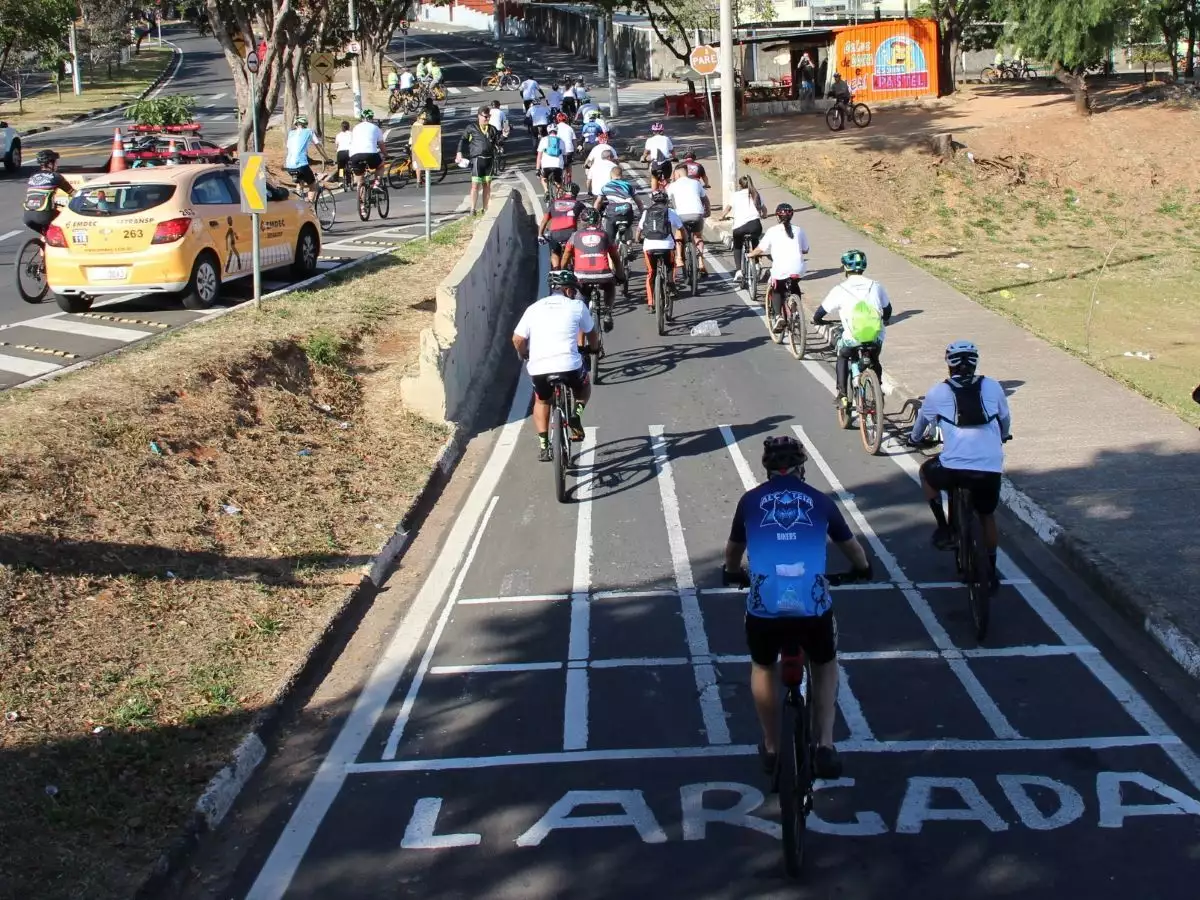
[[79, 237], [108, 273]]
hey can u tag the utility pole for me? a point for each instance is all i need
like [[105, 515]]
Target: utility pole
[[355, 87], [728, 104]]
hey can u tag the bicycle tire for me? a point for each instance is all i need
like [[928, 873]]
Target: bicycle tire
[[834, 118], [383, 200], [988, 75], [693, 268], [979, 591], [501, 162], [394, 103], [845, 411], [364, 202], [594, 357], [489, 82], [326, 210], [793, 744], [752, 275], [509, 83], [558, 452], [660, 299], [772, 319], [26, 263], [797, 328], [862, 121], [398, 175], [870, 415]]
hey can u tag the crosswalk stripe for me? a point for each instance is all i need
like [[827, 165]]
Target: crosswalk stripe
[[104, 332], [453, 90], [222, 118], [476, 89], [29, 367]]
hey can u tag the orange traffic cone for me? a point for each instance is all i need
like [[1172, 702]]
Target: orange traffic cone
[[117, 163]]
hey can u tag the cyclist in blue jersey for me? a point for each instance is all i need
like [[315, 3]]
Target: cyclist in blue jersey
[[781, 526], [618, 201]]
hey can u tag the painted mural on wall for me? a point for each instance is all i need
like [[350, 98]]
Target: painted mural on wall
[[889, 60]]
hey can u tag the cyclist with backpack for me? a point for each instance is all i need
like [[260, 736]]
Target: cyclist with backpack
[[786, 244], [659, 230], [865, 310], [551, 161], [561, 220], [617, 201], [594, 260]]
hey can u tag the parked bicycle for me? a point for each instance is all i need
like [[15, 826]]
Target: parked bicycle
[[1013, 70], [373, 192], [836, 115]]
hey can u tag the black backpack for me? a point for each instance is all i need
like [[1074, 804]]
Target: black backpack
[[968, 404], [658, 223]]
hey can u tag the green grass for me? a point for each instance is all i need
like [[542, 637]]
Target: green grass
[[325, 349]]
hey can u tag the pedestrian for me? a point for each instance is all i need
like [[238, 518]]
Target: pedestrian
[[478, 145]]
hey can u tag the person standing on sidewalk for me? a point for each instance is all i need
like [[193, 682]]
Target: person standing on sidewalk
[[478, 144], [746, 208]]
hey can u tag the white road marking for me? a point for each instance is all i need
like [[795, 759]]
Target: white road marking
[[276, 874], [852, 710], [86, 329], [222, 117], [635, 662], [575, 711], [739, 461], [10, 234], [528, 598], [454, 90], [28, 367], [217, 96], [631, 595], [492, 668]]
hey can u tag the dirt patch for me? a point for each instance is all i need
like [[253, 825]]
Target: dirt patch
[[176, 525], [1084, 230]]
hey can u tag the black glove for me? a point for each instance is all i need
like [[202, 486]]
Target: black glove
[[740, 578], [863, 575]]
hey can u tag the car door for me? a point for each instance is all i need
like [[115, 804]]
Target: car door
[[276, 227], [218, 206]]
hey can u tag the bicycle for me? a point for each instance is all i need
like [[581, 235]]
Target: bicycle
[[400, 171], [835, 116], [321, 199], [625, 252], [554, 190], [561, 409], [751, 272], [595, 300], [500, 81], [373, 192], [792, 315], [664, 291], [691, 263], [864, 395], [30, 269]]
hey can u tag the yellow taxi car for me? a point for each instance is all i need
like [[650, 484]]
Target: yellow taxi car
[[176, 230]]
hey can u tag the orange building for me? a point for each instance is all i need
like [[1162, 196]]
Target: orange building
[[889, 60]]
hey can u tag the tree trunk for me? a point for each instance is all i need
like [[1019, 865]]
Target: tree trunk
[[610, 42], [1190, 69], [291, 103], [1171, 39], [308, 99]]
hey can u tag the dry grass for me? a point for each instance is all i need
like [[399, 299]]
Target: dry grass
[[1026, 228], [150, 601]]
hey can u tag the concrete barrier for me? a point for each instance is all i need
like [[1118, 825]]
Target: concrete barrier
[[477, 308]]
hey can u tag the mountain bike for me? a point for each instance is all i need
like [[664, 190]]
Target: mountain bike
[[691, 263], [321, 199], [625, 252], [595, 302], [400, 171], [791, 314], [373, 192], [561, 409], [29, 266], [864, 395], [836, 115], [500, 81], [664, 289]]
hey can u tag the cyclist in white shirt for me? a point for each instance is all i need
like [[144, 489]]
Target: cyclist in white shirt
[[407, 80], [498, 119], [861, 326], [341, 144], [530, 91], [691, 203], [659, 152], [567, 135], [786, 244], [554, 99], [367, 149], [603, 170], [547, 338], [975, 420], [602, 148], [746, 209]]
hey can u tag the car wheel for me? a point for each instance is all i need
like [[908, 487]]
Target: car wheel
[[308, 249], [12, 162], [73, 303], [204, 287]]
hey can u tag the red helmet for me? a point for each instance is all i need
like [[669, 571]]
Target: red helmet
[[561, 117], [602, 137]]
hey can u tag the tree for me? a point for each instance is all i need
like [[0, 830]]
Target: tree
[[954, 17], [1069, 35], [377, 22], [106, 25], [1172, 19], [674, 22], [33, 27]]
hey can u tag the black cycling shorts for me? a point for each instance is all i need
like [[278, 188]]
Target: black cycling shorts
[[544, 390], [362, 161], [661, 170], [558, 239], [767, 638], [553, 173], [984, 486], [303, 175], [693, 224], [482, 168], [40, 220]]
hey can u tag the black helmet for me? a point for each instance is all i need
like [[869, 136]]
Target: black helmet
[[658, 197], [782, 453], [562, 278], [571, 188], [589, 216], [784, 211], [45, 157]]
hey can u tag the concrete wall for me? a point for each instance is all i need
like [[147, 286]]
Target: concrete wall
[[477, 308], [458, 15]]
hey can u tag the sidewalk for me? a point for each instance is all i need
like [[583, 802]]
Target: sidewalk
[[1106, 477]]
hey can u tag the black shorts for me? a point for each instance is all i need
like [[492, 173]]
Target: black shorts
[[482, 168], [39, 220], [553, 173], [661, 169], [984, 486], [693, 224], [303, 175], [362, 161], [767, 638], [544, 390], [558, 239]]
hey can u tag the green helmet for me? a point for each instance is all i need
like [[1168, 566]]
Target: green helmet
[[300, 122], [368, 114], [854, 262]]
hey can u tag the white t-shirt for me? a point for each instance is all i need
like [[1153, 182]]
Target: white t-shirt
[[587, 108], [497, 118], [787, 253], [530, 89], [845, 296], [979, 449], [567, 134], [548, 161], [688, 196], [595, 153], [743, 208], [554, 99], [659, 146], [406, 81], [365, 137], [667, 243], [342, 140], [600, 174], [539, 115], [552, 326]]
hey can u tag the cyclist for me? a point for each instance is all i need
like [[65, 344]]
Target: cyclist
[[567, 134], [781, 526], [659, 152], [498, 119], [695, 169], [40, 191], [865, 310], [746, 209], [786, 244], [341, 146], [500, 65], [560, 221], [435, 73], [393, 81], [691, 203], [530, 91], [658, 229], [840, 91], [586, 110], [602, 148], [478, 143], [367, 149], [551, 159], [570, 103], [617, 200], [592, 128], [407, 81], [595, 260], [554, 99], [603, 170], [975, 420], [423, 68], [299, 139], [547, 338]]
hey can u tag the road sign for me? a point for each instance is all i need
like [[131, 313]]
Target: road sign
[[427, 146], [321, 68], [353, 47], [253, 179], [252, 62], [704, 60]]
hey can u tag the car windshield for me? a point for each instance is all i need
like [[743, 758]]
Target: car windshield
[[119, 199]]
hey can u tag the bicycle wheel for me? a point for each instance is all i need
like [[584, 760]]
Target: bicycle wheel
[[845, 411], [383, 202], [793, 765], [439, 93], [558, 452], [870, 418], [488, 82], [31, 271], [978, 573], [797, 331], [394, 103], [862, 115], [364, 202], [693, 265], [660, 297], [509, 83], [326, 209], [399, 174], [988, 75], [500, 161], [834, 118], [750, 267], [594, 358], [773, 320]]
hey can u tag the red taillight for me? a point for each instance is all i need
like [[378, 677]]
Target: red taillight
[[171, 230], [55, 237]]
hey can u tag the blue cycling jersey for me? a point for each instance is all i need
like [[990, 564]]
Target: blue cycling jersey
[[783, 524], [618, 189]]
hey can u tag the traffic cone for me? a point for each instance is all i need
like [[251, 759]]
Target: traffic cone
[[117, 162]]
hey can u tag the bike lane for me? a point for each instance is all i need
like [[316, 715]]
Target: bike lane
[[566, 707]]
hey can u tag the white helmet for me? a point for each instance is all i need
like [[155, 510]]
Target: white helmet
[[962, 357]]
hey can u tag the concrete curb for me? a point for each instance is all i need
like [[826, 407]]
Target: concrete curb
[[1090, 564]]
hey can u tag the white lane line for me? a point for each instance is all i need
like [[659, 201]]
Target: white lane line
[[86, 329], [639, 662], [527, 598], [983, 701], [29, 367], [575, 708], [10, 234], [277, 873], [852, 710], [493, 668], [217, 97], [594, 756], [716, 725], [950, 585], [739, 460], [410, 699], [632, 595], [222, 117]]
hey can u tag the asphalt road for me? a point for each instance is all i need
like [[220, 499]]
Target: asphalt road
[[565, 708], [37, 341]]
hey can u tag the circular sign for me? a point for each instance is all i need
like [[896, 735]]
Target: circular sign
[[704, 59], [252, 62]]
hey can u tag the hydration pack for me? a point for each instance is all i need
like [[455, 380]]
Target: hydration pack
[[554, 145], [865, 322], [968, 404]]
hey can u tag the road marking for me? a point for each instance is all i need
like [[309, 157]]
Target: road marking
[[492, 668], [10, 234], [631, 595], [725, 750], [575, 710], [29, 367], [454, 90], [222, 117], [85, 329], [475, 89], [528, 598], [852, 710], [716, 725], [639, 662], [276, 874]]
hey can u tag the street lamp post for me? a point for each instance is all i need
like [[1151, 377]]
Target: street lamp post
[[728, 104]]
